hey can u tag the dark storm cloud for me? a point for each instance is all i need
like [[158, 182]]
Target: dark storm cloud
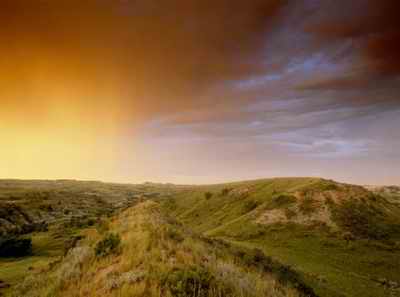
[[319, 83], [373, 24], [165, 55]]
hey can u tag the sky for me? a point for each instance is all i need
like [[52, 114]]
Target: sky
[[200, 91]]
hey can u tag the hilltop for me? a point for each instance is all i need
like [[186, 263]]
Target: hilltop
[[311, 202]]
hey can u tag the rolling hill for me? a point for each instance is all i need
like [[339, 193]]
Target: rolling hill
[[344, 239], [146, 253], [271, 237]]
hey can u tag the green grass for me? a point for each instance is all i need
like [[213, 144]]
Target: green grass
[[326, 258], [47, 247], [45, 250], [367, 220], [44, 244], [13, 271], [281, 201], [160, 257], [329, 263], [191, 207], [64, 208]]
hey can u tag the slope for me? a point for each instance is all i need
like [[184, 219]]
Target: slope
[[39, 219], [344, 239], [146, 253]]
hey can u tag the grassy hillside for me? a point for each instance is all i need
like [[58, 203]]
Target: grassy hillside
[[52, 215], [146, 253], [29, 205], [272, 237], [345, 240], [392, 193]]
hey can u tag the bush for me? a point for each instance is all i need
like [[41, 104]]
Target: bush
[[175, 235], [225, 191], [14, 247], [80, 222], [169, 204], [289, 213], [102, 226], [329, 186], [191, 281], [208, 195], [250, 205], [348, 236], [307, 206], [281, 201], [108, 245], [46, 207], [363, 221], [285, 274]]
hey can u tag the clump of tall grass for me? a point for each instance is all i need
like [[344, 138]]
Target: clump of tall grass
[[109, 244]]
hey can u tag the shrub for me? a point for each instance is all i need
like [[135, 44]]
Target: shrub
[[108, 245], [15, 247], [289, 213], [208, 195], [363, 221], [169, 204], [329, 186], [175, 235], [190, 281], [307, 206], [285, 274], [281, 201], [329, 201], [225, 191], [79, 222], [250, 205], [347, 236], [46, 207], [102, 226]]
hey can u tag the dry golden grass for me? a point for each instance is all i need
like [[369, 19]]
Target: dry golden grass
[[157, 257]]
